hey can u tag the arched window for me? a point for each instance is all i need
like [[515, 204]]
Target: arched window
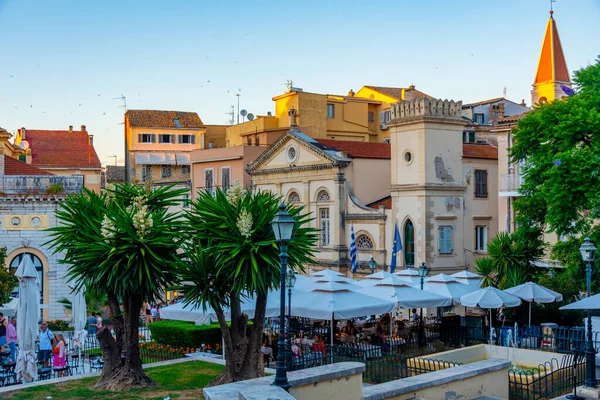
[[294, 197], [409, 244], [37, 263], [323, 195], [364, 242]]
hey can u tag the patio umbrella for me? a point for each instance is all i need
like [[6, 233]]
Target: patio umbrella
[[29, 314], [327, 272], [307, 283], [447, 286], [589, 303], [10, 308], [373, 279], [79, 309], [398, 290], [410, 275], [468, 278], [532, 292], [490, 297], [180, 312]]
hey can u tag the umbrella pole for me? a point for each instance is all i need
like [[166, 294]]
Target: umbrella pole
[[530, 313], [331, 335], [491, 340]]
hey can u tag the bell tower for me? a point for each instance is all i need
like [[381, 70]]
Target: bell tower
[[552, 72]]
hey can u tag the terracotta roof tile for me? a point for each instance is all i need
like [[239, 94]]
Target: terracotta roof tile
[[15, 167], [359, 149], [61, 149], [478, 103], [163, 119], [484, 151], [395, 92], [386, 202]]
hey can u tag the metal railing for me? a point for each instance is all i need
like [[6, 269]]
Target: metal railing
[[510, 182]]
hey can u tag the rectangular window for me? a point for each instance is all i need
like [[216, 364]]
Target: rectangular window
[[146, 138], [330, 110], [445, 239], [371, 116], [481, 238], [167, 170], [481, 189], [164, 138], [225, 178], [468, 136], [324, 224], [257, 140], [146, 173], [187, 139], [185, 169], [209, 182], [479, 118]]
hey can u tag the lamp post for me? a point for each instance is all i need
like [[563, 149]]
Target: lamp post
[[290, 281], [372, 265], [422, 274], [283, 226], [588, 251]]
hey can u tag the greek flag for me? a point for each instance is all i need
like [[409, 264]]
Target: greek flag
[[396, 247], [353, 256]]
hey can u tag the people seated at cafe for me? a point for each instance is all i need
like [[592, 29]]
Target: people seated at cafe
[[349, 329], [297, 349], [319, 346]]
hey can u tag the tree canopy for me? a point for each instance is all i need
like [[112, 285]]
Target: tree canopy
[[8, 280]]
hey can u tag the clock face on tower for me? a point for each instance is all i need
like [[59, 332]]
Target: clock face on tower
[[15, 221]]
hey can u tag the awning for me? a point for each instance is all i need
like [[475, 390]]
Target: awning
[[162, 158]]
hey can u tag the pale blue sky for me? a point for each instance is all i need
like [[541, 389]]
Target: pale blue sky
[[63, 62]]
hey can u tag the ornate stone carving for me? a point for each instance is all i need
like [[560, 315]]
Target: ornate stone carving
[[426, 108]]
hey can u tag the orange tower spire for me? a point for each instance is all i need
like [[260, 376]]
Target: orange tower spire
[[552, 71]]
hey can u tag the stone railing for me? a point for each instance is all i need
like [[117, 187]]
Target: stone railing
[[426, 108], [39, 184]]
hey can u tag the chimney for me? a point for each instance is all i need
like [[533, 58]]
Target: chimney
[[292, 116], [411, 87], [83, 128], [351, 93], [70, 128], [91, 139], [523, 103], [23, 133]]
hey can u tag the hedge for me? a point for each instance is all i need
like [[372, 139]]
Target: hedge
[[185, 334]]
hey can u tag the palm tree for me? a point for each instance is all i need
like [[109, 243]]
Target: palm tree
[[485, 267], [233, 254], [123, 242]]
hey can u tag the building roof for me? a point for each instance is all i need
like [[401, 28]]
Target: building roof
[[489, 101], [385, 202], [163, 119], [359, 149], [480, 150], [410, 93], [13, 166], [61, 149], [552, 65]]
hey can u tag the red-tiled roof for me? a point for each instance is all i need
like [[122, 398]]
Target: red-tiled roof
[[15, 167], [410, 93], [359, 149], [486, 151], [386, 202], [61, 149], [163, 119]]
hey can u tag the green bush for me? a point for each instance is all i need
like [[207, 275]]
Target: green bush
[[185, 334], [55, 189], [59, 325]]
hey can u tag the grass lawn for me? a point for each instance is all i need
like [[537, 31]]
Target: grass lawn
[[178, 381]]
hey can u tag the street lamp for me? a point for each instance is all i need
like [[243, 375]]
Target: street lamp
[[372, 265], [588, 250], [283, 226], [422, 274]]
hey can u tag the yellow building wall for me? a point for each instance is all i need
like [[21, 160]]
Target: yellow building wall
[[346, 388], [134, 145], [92, 179]]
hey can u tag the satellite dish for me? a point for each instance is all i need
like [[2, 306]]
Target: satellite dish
[[243, 113], [24, 144], [250, 116]]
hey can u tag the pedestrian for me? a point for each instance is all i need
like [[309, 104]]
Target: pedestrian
[[46, 340], [92, 324], [60, 354], [98, 322], [154, 313], [3, 325], [148, 312], [11, 339]]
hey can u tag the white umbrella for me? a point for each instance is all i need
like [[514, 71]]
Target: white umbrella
[[373, 279], [179, 312], [447, 286], [79, 309], [490, 297], [29, 314], [398, 290], [589, 303], [327, 272], [10, 308], [532, 292], [308, 283], [468, 278], [410, 275]]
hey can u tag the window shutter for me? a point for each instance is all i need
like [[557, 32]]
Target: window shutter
[[382, 116], [484, 183], [153, 138], [445, 240], [484, 244], [193, 141]]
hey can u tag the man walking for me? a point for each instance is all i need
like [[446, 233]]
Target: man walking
[[92, 324], [46, 340], [11, 339]]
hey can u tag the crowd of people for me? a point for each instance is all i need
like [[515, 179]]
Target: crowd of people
[[8, 336]]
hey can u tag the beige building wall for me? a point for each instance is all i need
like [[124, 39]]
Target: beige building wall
[[92, 178], [369, 178]]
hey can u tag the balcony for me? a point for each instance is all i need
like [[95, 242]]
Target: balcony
[[510, 185], [39, 184]]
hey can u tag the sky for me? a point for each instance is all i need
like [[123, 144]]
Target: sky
[[68, 62]]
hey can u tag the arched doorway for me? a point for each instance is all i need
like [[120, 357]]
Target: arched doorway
[[409, 244], [39, 267]]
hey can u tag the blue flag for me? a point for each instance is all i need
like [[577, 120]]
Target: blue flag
[[353, 255], [397, 246]]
